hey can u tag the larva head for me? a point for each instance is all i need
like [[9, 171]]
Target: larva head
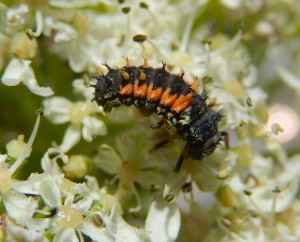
[[203, 135], [205, 127], [107, 90], [202, 149]]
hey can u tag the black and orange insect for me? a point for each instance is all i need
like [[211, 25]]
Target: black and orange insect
[[155, 90]]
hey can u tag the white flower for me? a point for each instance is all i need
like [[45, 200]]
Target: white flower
[[63, 32], [121, 230], [288, 184], [19, 71], [65, 235], [18, 206], [17, 233], [14, 18], [129, 163], [60, 110], [96, 233], [22, 208], [233, 82], [86, 200], [81, 49], [163, 222], [51, 186], [16, 14]]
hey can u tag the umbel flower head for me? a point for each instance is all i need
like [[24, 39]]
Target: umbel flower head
[[92, 175]]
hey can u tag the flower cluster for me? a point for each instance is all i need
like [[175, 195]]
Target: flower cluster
[[97, 180]]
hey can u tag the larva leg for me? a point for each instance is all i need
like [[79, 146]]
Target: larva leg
[[183, 155], [212, 104], [226, 138], [159, 124], [162, 143]]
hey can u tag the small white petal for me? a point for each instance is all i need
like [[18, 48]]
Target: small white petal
[[173, 185], [30, 186], [39, 23], [96, 192], [66, 235], [17, 13], [78, 58], [36, 89], [261, 166], [16, 233], [48, 164], [20, 70], [236, 184], [13, 72], [18, 206], [92, 127], [3, 158], [96, 234], [21, 208], [108, 159], [57, 109], [29, 80], [63, 32], [79, 87], [291, 170], [122, 114], [92, 183], [290, 78], [49, 190], [123, 231], [263, 197], [257, 95], [163, 222], [83, 204], [71, 137], [128, 147]]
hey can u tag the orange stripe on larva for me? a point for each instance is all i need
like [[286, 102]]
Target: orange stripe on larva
[[127, 90], [167, 99], [154, 94], [182, 103], [140, 91]]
